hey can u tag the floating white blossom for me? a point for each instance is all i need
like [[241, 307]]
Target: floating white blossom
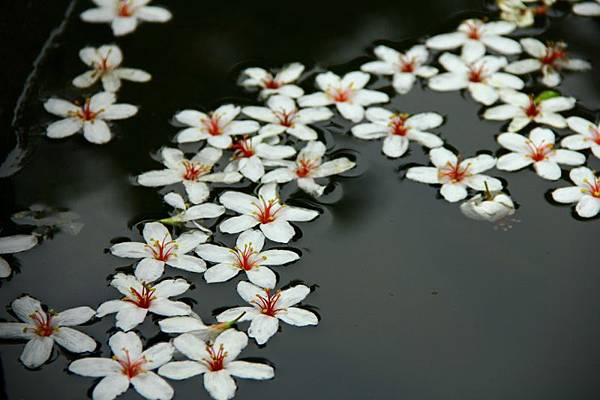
[[14, 244], [585, 193], [271, 83]]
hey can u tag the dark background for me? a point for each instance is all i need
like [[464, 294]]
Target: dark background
[[417, 302]]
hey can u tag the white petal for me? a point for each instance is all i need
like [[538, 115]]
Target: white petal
[[153, 14], [152, 386], [96, 132], [110, 387], [74, 341], [524, 66], [501, 44], [513, 162], [448, 81], [219, 384], [221, 273], [501, 112], [423, 174], [547, 169], [17, 243], [567, 195], [63, 128], [74, 316], [403, 82], [131, 74], [483, 93], [122, 26], [188, 263], [94, 367], [453, 192], [197, 192], [298, 317], [395, 146], [238, 224], [333, 167], [249, 370], [239, 202], [37, 351], [568, 157], [60, 107], [447, 41], [119, 111], [588, 207], [178, 370], [262, 328]]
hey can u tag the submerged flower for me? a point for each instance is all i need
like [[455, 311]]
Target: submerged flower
[[190, 214], [14, 244], [480, 76], [128, 365], [347, 93], [89, 117], [142, 296], [538, 149], [490, 206], [586, 193], [216, 127], [252, 155], [282, 115], [405, 67], [106, 66], [42, 329], [523, 12], [267, 211], [217, 362], [160, 249], [268, 306], [474, 35], [192, 324], [246, 256], [192, 173], [398, 129], [124, 15], [307, 167], [587, 137], [521, 109], [456, 175], [587, 8], [274, 83], [550, 59]]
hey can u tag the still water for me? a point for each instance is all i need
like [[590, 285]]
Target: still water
[[416, 301]]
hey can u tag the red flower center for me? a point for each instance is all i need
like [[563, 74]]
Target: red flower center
[[596, 135], [397, 124], [286, 118], [268, 303], [194, 171], [242, 149], [162, 250], [554, 53], [266, 211], [142, 300], [541, 152], [86, 113], [270, 83], [454, 172], [43, 323], [408, 65], [477, 74], [213, 126], [533, 109], [246, 259], [305, 167], [473, 31], [129, 367], [341, 95], [216, 358], [123, 9]]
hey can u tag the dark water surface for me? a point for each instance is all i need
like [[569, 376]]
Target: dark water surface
[[417, 302]]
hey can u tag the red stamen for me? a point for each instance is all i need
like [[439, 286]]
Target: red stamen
[[408, 64], [194, 171], [43, 323], [593, 188], [286, 118], [86, 113], [162, 250], [397, 124], [242, 149], [305, 167], [246, 259], [131, 368], [595, 135], [532, 110], [477, 74], [266, 211], [473, 31], [341, 95], [270, 83], [554, 53], [142, 300], [123, 9], [454, 172], [213, 126], [216, 358], [268, 304], [541, 152]]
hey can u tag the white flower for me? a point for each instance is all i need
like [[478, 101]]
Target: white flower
[[586, 193], [516, 11], [267, 211], [190, 214], [346, 93], [247, 256], [141, 297], [129, 365], [490, 207], [251, 155], [192, 173], [124, 15], [106, 66], [587, 137], [521, 109], [282, 115], [216, 127], [14, 244], [279, 83], [89, 117], [587, 8], [42, 329], [539, 149], [399, 129], [160, 249], [473, 35], [456, 175], [550, 59], [307, 167], [480, 76], [217, 362], [405, 67], [268, 307], [193, 324]]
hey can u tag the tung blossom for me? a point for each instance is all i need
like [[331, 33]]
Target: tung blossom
[[106, 66], [125, 15], [587, 136], [44, 328], [587, 8], [474, 35], [490, 207], [193, 173], [456, 175], [216, 127], [523, 12], [251, 156], [522, 109], [267, 211], [585, 193], [550, 59], [404, 67], [282, 115], [271, 83], [347, 93], [14, 244], [246, 256], [308, 167], [268, 307], [129, 365], [141, 297], [538, 150], [216, 361], [190, 214], [160, 249], [481, 77], [89, 117], [399, 129], [194, 325]]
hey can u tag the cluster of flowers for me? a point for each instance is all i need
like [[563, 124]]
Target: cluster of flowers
[[524, 12]]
